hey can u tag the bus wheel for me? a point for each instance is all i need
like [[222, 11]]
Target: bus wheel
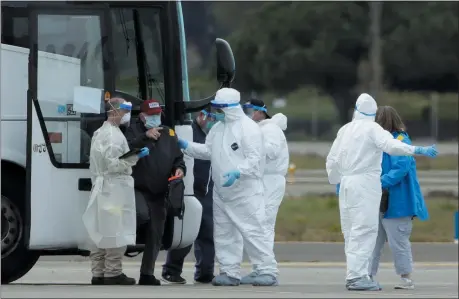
[[16, 259]]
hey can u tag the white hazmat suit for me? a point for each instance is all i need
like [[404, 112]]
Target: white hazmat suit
[[355, 162], [275, 170], [110, 217], [276, 167], [235, 144]]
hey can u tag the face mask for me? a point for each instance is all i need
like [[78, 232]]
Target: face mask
[[125, 118], [152, 121], [210, 124], [220, 117]]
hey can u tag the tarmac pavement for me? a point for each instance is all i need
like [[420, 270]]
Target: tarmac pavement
[[307, 270], [70, 280]]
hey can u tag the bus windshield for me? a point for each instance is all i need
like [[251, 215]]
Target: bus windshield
[[137, 71], [137, 49], [116, 47]]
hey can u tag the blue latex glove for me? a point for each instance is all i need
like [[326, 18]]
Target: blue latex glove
[[337, 189], [143, 152], [183, 144], [429, 151], [232, 177]]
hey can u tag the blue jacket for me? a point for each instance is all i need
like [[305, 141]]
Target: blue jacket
[[400, 178]]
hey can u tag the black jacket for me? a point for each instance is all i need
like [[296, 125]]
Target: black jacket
[[151, 173], [203, 184]]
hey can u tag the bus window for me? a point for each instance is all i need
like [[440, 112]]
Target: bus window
[[15, 26], [58, 74], [128, 75]]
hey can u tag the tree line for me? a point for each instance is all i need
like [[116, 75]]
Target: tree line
[[284, 45]]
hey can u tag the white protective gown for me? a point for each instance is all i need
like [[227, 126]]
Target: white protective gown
[[276, 167], [239, 210], [355, 162], [110, 217]]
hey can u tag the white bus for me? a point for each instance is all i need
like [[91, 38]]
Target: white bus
[[59, 61]]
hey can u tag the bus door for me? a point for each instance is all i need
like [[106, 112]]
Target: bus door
[[64, 88]]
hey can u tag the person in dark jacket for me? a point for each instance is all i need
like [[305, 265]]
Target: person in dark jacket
[[151, 177], [204, 250]]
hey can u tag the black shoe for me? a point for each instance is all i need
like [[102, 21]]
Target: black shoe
[[97, 280], [121, 279], [149, 280], [173, 279], [204, 279]]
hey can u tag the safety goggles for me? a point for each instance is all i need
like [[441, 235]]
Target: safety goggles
[[208, 115], [249, 109]]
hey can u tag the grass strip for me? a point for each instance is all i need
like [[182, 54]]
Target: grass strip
[[316, 219], [444, 162]]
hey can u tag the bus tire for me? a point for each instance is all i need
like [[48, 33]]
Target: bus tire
[[17, 260]]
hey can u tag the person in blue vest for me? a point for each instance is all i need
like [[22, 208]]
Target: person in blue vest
[[404, 202], [204, 250]]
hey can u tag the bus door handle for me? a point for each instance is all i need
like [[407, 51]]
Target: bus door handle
[[84, 184]]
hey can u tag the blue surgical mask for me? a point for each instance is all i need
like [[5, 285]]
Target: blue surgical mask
[[152, 121], [220, 117]]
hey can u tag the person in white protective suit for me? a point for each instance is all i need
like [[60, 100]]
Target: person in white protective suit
[[235, 148], [276, 166], [354, 161], [110, 216]]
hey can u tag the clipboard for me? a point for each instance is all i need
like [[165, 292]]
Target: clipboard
[[131, 153]]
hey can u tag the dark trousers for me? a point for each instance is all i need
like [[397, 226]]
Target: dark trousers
[[153, 232], [204, 250]]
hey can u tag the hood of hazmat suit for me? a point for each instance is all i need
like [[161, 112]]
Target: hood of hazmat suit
[[110, 216], [236, 144], [354, 161], [276, 166]]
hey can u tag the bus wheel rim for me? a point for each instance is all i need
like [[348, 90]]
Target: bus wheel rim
[[12, 228]]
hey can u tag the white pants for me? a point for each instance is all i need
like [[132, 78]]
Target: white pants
[[274, 191], [274, 187], [359, 200], [239, 221]]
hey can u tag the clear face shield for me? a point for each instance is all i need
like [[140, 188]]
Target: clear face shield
[[250, 109], [125, 107], [209, 121]]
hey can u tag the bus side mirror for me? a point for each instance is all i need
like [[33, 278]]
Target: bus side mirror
[[226, 70], [226, 67]]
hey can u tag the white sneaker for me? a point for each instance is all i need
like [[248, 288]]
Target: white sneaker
[[406, 284]]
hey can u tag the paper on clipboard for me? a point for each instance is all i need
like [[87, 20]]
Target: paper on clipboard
[[87, 99]]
